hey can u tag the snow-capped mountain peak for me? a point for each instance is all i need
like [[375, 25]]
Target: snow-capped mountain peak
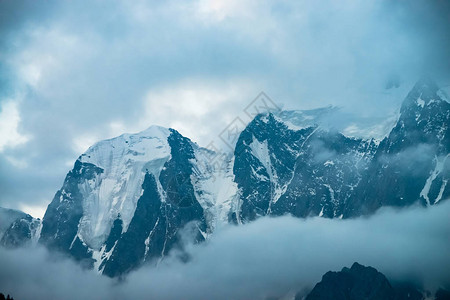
[[130, 147], [124, 160], [424, 93]]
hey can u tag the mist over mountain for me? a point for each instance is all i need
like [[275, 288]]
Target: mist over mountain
[[270, 257]]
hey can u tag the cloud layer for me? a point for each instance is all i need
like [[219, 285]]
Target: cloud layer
[[270, 257]]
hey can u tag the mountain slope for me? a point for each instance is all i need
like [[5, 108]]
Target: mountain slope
[[17, 228], [312, 169], [153, 230], [7, 217], [127, 198], [358, 283], [413, 161], [303, 171]]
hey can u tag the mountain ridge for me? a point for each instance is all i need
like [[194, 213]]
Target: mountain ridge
[[360, 282], [158, 182]]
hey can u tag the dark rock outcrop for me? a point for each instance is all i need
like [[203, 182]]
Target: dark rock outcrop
[[359, 283]]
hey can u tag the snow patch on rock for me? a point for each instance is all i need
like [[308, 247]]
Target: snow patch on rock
[[124, 160]]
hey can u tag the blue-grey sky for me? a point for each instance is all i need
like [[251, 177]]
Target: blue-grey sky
[[75, 72]]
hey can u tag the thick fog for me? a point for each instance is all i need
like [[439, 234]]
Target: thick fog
[[270, 257], [75, 72]]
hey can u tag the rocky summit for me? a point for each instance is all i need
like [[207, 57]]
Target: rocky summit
[[360, 282]]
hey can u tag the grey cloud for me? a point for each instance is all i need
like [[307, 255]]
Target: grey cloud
[[269, 257], [34, 274]]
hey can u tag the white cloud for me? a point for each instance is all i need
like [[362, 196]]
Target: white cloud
[[36, 211], [9, 126], [83, 142], [271, 257], [199, 109], [16, 162], [219, 10]]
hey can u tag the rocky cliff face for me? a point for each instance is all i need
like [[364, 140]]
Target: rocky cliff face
[[412, 163], [158, 217], [315, 170], [357, 283], [18, 229]]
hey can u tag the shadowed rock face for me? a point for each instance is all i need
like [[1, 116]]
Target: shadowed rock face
[[165, 204], [20, 229], [60, 223], [412, 163], [442, 295], [359, 283], [317, 171], [7, 217]]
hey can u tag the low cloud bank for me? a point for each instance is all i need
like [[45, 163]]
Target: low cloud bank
[[270, 257]]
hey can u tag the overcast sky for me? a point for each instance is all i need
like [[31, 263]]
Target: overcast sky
[[75, 72]]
